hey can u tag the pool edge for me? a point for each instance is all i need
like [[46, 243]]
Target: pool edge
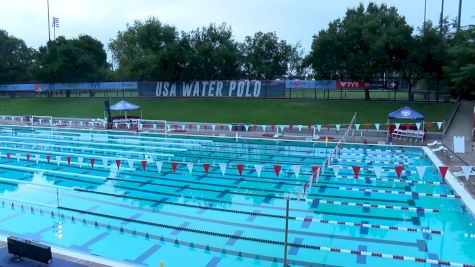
[[465, 196], [79, 255]]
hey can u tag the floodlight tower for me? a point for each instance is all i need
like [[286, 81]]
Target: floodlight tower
[[459, 18], [49, 31], [441, 22]]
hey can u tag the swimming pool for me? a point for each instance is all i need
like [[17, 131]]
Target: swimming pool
[[66, 188]]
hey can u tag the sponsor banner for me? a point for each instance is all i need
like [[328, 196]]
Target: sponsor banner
[[233, 88], [340, 84], [94, 86], [310, 84], [383, 85], [17, 87], [40, 87]]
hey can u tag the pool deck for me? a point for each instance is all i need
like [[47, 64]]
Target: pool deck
[[455, 184], [61, 258], [462, 126]]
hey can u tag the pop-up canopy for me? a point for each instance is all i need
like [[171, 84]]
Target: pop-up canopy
[[124, 106], [405, 113]]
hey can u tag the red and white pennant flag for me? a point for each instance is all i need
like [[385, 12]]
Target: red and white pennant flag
[[131, 163], [336, 169], [189, 166], [258, 168], [223, 167], [296, 170], [104, 162], [277, 169], [466, 170], [159, 166], [377, 171], [420, 171]]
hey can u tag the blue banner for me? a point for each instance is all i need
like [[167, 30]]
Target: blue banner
[[310, 84], [17, 87], [238, 88], [41, 87]]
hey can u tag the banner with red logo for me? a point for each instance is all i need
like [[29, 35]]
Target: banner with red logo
[[340, 84]]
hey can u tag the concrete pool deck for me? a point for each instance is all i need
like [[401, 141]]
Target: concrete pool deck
[[61, 258]]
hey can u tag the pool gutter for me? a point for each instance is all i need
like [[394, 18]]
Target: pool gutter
[[466, 197]]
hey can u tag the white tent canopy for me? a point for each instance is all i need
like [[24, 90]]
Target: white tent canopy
[[123, 105]]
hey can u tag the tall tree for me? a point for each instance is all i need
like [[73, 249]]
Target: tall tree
[[72, 60], [148, 50], [265, 56], [363, 45], [16, 59], [211, 53], [461, 66], [432, 47], [297, 67]]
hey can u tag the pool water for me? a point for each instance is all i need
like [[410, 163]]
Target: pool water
[[187, 216]]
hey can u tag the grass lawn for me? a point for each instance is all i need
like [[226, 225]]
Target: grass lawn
[[291, 111]]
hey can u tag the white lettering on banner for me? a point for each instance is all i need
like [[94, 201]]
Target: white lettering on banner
[[203, 90], [240, 89], [232, 87], [187, 89], [257, 89], [350, 84], [248, 84], [164, 89], [211, 88], [196, 91], [219, 87]]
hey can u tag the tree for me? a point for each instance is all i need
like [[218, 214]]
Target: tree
[[297, 67], [72, 60], [461, 66], [264, 56], [363, 45], [148, 50], [16, 59], [211, 53], [431, 47], [324, 56]]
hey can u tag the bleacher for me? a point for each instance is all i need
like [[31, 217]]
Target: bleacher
[[408, 135]]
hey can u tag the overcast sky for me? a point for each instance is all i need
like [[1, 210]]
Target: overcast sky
[[292, 20]]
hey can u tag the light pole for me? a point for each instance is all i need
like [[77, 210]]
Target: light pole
[[441, 16], [49, 31], [425, 12], [459, 16], [55, 25]]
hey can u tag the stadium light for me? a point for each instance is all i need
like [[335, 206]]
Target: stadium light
[[49, 31], [55, 25], [425, 12], [441, 16]]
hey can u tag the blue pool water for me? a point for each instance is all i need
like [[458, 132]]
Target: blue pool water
[[144, 217]]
